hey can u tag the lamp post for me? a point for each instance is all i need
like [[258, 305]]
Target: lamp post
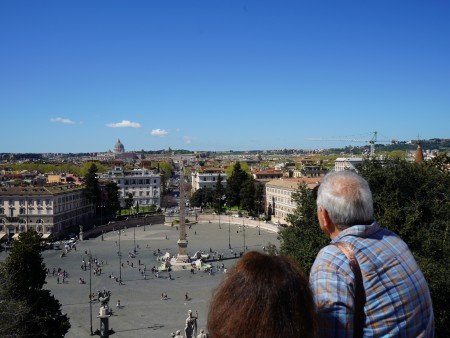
[[120, 261], [90, 288], [134, 238], [243, 228], [229, 233]]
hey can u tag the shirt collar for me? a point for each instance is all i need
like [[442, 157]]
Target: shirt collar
[[358, 231]]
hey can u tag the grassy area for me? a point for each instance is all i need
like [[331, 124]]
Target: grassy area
[[126, 212]]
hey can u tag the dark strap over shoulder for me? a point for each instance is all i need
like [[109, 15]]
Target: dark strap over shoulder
[[360, 294]]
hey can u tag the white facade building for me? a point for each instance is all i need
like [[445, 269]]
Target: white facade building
[[201, 180], [48, 210], [279, 196], [347, 163], [143, 184]]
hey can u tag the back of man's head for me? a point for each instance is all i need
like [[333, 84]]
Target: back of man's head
[[347, 198]]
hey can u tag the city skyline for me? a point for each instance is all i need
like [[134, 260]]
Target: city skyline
[[241, 75]]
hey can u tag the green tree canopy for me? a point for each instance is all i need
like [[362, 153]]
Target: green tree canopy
[[413, 200], [111, 201], [22, 276], [219, 193], [129, 201], [202, 197], [235, 181], [303, 239], [247, 195], [410, 199], [92, 187]]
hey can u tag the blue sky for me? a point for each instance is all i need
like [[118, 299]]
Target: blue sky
[[220, 75]]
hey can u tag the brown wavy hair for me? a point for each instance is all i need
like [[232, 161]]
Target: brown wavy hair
[[263, 296]]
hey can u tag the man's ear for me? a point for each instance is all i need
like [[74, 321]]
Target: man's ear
[[327, 224], [326, 218]]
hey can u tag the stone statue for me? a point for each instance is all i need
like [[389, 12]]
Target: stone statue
[[191, 325]]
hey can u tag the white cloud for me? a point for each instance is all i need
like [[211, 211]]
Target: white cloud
[[61, 120], [187, 139], [124, 124], [159, 132]]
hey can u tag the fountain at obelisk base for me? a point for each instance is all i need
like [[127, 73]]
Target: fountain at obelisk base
[[181, 261]]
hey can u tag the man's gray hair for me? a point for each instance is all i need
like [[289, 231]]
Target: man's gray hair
[[347, 198]]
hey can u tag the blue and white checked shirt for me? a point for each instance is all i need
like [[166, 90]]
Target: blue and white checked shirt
[[398, 302]]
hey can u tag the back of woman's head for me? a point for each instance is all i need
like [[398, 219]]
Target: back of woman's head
[[263, 296]]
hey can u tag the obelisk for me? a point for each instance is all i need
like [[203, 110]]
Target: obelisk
[[182, 241]]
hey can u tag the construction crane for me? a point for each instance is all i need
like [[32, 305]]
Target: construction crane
[[371, 141]]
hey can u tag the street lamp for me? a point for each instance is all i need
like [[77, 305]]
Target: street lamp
[[90, 288], [229, 233], [243, 228], [134, 238], [120, 261]]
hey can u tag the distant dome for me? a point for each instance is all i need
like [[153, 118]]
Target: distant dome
[[118, 147]]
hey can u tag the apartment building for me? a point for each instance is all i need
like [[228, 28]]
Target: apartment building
[[347, 163], [143, 184], [48, 210], [207, 179], [279, 196], [266, 175]]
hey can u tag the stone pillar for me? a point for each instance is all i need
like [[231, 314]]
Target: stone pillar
[[104, 322], [182, 241]]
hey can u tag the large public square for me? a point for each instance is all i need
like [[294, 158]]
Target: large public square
[[143, 313]]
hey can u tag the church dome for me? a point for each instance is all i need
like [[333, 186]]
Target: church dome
[[118, 147]]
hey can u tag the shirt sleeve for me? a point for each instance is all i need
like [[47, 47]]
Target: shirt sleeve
[[332, 282]]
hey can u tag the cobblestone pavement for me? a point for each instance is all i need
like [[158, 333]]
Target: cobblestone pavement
[[143, 313]]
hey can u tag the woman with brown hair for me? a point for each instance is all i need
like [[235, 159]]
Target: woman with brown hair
[[263, 296]]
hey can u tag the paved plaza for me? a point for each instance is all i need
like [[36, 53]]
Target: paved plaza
[[143, 313]]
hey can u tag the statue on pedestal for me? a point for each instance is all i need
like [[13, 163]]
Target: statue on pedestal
[[191, 325]]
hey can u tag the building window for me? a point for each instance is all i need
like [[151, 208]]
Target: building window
[[22, 211]]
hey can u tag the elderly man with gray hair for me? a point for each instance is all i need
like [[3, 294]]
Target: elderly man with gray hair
[[366, 282]]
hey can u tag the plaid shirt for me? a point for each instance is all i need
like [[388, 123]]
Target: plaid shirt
[[398, 302]]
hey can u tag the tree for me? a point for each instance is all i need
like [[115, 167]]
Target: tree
[[247, 195], [92, 187], [22, 277], [303, 239], [412, 200], [269, 212], [129, 201], [112, 202], [166, 171], [202, 197], [219, 192], [259, 198], [235, 181]]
